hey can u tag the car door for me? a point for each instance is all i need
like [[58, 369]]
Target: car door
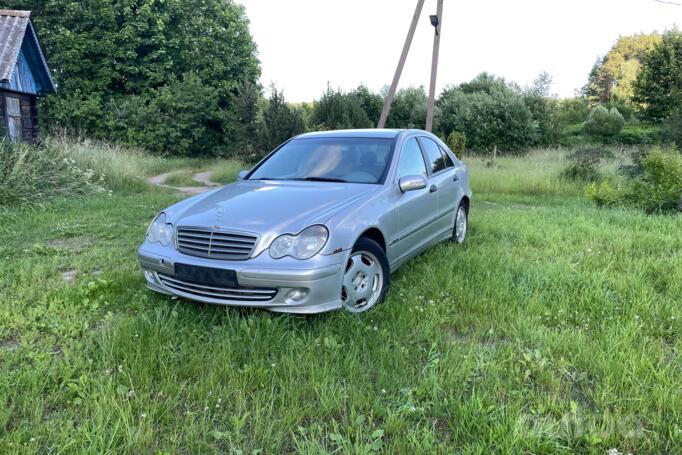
[[414, 210], [441, 182]]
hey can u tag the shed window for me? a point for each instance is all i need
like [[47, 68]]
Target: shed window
[[14, 127]]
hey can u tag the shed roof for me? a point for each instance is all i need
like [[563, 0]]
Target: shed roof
[[15, 28]]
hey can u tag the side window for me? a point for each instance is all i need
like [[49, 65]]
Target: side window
[[411, 161], [446, 157], [433, 155]]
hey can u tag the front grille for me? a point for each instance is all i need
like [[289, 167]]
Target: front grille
[[219, 293], [208, 243]]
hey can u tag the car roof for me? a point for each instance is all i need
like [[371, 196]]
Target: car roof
[[378, 133]]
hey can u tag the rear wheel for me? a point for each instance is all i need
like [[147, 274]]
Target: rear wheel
[[366, 277], [459, 232]]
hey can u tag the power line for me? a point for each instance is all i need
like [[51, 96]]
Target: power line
[[668, 2]]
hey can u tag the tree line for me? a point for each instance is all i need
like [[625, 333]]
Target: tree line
[[181, 78]]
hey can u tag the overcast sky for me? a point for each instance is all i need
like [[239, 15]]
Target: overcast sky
[[303, 44]]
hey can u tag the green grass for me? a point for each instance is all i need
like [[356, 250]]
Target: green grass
[[182, 178], [554, 329], [225, 171], [122, 169]]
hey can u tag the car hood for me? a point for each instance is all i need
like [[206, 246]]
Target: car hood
[[268, 208]]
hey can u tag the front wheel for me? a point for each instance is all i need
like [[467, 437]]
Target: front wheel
[[459, 232], [366, 278]]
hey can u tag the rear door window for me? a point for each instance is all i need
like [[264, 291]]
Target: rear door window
[[433, 155], [446, 158]]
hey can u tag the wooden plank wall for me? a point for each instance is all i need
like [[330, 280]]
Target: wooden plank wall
[[29, 115]]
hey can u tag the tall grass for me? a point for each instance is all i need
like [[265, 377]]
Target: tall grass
[[122, 169], [30, 175], [225, 171], [538, 173]]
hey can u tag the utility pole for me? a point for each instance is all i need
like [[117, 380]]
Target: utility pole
[[401, 63], [437, 22]]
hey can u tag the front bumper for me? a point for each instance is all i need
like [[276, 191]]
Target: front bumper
[[263, 282]]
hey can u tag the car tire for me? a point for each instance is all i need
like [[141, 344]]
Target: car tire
[[366, 278], [459, 231]]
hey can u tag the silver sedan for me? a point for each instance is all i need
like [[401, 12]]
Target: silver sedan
[[319, 224]]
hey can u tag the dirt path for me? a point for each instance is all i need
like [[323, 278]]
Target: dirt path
[[201, 177], [205, 178]]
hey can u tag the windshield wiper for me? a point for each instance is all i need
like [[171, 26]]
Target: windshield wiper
[[322, 179]]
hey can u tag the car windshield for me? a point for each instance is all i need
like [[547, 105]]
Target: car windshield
[[329, 159]]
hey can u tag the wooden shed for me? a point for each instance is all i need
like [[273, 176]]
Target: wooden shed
[[24, 75]]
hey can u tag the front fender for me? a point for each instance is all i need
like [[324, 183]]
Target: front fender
[[347, 227]]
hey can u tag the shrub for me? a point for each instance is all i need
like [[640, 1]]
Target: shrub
[[657, 189], [491, 113], [457, 142], [605, 194], [585, 163], [183, 118], [660, 187], [639, 135], [604, 122], [409, 108], [571, 111], [31, 175], [672, 129]]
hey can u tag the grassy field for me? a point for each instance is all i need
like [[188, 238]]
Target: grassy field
[[554, 329]]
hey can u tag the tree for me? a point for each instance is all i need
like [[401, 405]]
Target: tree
[[543, 109], [490, 112], [183, 117], [105, 51], [658, 88], [337, 110], [370, 102], [612, 76], [280, 121], [409, 108]]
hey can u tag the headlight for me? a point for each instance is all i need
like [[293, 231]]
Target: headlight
[[160, 231], [305, 245]]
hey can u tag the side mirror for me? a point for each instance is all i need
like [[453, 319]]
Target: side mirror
[[242, 175], [412, 183]]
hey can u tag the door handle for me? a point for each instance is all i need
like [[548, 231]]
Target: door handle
[[455, 179], [433, 189]]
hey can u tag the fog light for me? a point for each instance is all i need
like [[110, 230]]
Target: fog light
[[296, 295]]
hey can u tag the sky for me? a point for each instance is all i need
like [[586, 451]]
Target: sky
[[305, 44]]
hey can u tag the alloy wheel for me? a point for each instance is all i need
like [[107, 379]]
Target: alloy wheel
[[461, 224], [363, 282]]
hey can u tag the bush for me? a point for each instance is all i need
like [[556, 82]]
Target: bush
[[491, 113], [571, 111], [457, 142], [657, 189], [409, 108], [672, 129], [605, 194], [183, 118], [639, 135], [585, 163], [32, 175], [604, 122]]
